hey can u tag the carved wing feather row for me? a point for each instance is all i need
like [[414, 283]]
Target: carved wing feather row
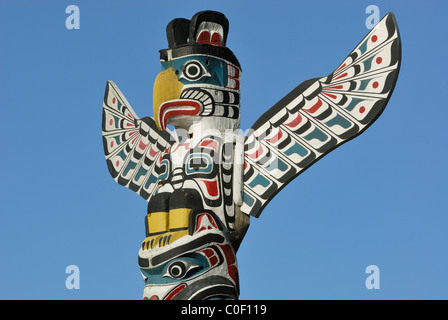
[[133, 147], [320, 115]]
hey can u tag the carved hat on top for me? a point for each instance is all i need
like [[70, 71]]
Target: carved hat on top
[[205, 33]]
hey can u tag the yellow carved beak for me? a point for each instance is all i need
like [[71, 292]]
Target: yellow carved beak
[[166, 87]]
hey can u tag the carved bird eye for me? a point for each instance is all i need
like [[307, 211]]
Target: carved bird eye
[[179, 269], [193, 70]]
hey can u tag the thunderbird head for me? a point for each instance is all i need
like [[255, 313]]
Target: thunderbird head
[[200, 78]]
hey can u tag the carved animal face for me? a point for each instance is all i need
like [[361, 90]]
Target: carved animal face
[[200, 78], [196, 86], [197, 266]]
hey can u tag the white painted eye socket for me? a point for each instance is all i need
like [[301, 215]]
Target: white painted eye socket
[[193, 70], [179, 269]]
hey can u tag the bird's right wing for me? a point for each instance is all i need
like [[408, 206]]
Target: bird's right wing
[[133, 147]]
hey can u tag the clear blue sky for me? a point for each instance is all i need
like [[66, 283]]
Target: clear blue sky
[[377, 200]]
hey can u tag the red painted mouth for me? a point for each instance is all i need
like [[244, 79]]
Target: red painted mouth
[[180, 107]]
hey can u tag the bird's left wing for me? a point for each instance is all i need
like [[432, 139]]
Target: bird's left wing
[[320, 115], [133, 147]]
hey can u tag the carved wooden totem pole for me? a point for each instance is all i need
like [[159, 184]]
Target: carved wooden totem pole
[[203, 181]]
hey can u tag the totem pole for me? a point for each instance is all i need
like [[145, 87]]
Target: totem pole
[[204, 180]]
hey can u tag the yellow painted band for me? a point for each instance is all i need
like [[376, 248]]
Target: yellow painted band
[[157, 222], [178, 218], [165, 228]]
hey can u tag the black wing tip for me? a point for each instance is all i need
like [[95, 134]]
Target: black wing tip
[[390, 14], [109, 84], [390, 18], [106, 92], [391, 22]]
